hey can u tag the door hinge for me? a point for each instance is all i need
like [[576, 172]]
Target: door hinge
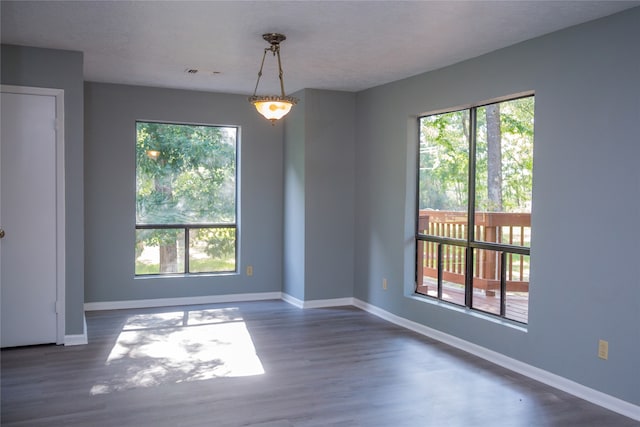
[[57, 307]]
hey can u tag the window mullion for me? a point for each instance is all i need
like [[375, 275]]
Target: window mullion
[[187, 239], [471, 197], [439, 267], [503, 283]]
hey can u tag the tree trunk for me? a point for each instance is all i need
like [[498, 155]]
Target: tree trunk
[[169, 258], [168, 250], [494, 158]]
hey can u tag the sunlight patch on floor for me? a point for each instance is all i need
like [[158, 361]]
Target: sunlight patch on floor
[[162, 348]]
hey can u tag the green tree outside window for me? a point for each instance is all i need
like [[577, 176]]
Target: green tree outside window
[[185, 186]]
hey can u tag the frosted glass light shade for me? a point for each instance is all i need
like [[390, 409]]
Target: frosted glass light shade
[[273, 107], [273, 110]]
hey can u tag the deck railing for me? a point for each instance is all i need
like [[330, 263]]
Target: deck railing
[[490, 227]]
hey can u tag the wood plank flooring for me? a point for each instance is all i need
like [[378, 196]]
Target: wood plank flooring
[[183, 366]]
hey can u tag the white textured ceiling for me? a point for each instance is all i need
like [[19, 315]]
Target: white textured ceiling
[[341, 45]]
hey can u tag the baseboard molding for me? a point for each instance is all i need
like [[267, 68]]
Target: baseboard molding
[[78, 339], [292, 300], [594, 396], [319, 303], [168, 302]]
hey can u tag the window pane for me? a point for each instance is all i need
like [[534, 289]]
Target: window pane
[[517, 298], [453, 273], [443, 174], [486, 284], [185, 174], [427, 271], [486, 280], [504, 171], [212, 250], [159, 251]]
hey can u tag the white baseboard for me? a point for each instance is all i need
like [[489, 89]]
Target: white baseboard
[[78, 339], [594, 396], [168, 302], [292, 300], [319, 303]]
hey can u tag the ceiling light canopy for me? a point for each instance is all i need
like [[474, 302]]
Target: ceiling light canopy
[[273, 107]]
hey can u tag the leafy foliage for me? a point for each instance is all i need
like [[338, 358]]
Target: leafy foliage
[[516, 125], [217, 241], [444, 161], [444, 158], [185, 174]]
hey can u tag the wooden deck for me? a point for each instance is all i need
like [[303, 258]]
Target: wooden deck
[[517, 303], [491, 227]]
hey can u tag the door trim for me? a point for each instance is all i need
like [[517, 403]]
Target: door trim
[[60, 199]]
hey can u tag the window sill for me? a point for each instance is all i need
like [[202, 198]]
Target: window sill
[[184, 275]]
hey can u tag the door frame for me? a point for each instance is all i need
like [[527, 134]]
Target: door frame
[[60, 198]]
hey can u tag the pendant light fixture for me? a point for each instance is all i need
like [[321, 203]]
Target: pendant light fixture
[[273, 107]]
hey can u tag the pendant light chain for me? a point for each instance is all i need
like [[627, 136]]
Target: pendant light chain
[[272, 107], [260, 72], [280, 72]]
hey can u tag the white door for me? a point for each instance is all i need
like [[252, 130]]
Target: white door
[[28, 218]]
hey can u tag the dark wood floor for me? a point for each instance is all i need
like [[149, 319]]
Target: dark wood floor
[[195, 366]]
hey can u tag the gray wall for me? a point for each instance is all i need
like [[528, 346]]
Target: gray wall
[[294, 196], [111, 113], [60, 69], [319, 195], [330, 188], [585, 281]]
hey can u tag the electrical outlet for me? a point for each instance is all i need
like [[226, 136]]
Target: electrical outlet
[[249, 270], [603, 349], [384, 284]]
